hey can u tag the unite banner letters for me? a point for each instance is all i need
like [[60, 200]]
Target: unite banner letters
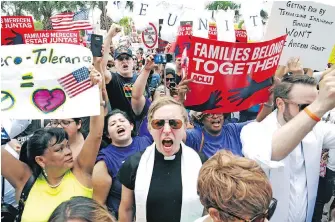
[[229, 77]]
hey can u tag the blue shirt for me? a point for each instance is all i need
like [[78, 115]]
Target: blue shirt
[[114, 157], [229, 139]]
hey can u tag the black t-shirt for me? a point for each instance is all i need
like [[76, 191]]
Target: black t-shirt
[[164, 199], [119, 92]]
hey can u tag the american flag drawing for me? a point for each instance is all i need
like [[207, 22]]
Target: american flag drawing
[[70, 21], [76, 82]]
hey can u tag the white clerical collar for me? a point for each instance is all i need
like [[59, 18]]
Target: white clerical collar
[[169, 157]]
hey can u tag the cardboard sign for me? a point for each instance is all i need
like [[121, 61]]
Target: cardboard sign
[[12, 28], [150, 36], [47, 81], [310, 29], [43, 37], [241, 36], [229, 77]]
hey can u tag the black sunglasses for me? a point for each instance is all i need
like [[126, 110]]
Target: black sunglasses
[[123, 57], [268, 214], [169, 79], [301, 106]]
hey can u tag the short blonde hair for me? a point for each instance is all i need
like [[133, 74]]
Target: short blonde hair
[[234, 184], [163, 101]]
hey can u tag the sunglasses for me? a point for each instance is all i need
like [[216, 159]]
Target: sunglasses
[[169, 79], [268, 214], [212, 115], [301, 106], [173, 123], [125, 57]]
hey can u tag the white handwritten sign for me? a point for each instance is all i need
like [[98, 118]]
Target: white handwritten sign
[[47, 81], [310, 28]]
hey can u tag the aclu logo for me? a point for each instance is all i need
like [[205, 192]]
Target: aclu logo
[[202, 79]]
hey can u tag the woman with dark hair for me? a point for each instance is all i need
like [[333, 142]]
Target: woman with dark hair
[[73, 128], [80, 209], [58, 176], [118, 129]]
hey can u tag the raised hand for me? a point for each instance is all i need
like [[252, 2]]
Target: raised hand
[[15, 40], [95, 77], [294, 65], [113, 30], [149, 63]]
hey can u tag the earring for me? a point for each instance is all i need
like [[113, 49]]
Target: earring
[[45, 173]]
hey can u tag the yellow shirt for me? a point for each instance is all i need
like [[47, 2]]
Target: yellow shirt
[[43, 200]]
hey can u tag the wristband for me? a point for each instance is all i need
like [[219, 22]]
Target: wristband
[[268, 105], [312, 115]]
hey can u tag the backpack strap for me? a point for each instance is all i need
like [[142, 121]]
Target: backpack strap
[[202, 141], [24, 195]]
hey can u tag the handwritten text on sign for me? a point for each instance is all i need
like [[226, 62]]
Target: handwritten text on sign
[[305, 23], [47, 81], [238, 74]]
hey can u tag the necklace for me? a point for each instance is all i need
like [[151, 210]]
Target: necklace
[[56, 185]]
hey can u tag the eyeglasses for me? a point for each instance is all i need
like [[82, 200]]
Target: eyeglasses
[[212, 115], [123, 57], [301, 106], [159, 123], [268, 214], [63, 123]]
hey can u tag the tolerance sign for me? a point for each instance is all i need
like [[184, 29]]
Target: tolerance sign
[[47, 81], [150, 36]]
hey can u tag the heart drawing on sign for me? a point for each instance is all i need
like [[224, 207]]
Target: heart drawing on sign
[[48, 100]]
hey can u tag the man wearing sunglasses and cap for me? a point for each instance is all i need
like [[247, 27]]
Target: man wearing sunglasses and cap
[[288, 143], [119, 84]]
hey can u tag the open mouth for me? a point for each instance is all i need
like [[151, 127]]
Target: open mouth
[[120, 131], [167, 142], [216, 123], [125, 66]]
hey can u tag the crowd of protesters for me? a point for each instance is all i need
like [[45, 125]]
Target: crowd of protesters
[[148, 158]]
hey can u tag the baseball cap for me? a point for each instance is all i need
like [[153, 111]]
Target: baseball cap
[[122, 50], [170, 71]]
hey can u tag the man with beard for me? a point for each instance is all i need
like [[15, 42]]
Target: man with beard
[[213, 135], [288, 143]]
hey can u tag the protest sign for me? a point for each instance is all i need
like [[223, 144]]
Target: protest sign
[[331, 59], [150, 36], [43, 37], [212, 31], [47, 81], [310, 29], [225, 28], [252, 20], [229, 77], [183, 38], [241, 35], [12, 28]]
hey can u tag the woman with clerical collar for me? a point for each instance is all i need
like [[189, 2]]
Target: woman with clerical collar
[[161, 181]]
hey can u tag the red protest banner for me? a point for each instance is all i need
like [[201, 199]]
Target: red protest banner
[[12, 28], [43, 37], [241, 36], [229, 77], [212, 31], [183, 38]]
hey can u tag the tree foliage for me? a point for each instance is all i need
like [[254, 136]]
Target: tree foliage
[[41, 10], [224, 5]]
